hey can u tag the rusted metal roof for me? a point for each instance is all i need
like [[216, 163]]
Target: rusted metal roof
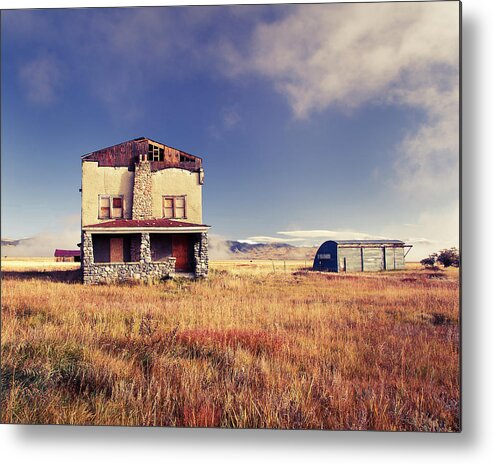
[[126, 154], [66, 253], [143, 223]]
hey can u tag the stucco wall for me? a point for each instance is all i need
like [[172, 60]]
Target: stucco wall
[[104, 181], [175, 181], [119, 181]]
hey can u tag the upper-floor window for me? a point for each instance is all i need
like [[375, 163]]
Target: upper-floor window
[[110, 206], [155, 153], [174, 207]]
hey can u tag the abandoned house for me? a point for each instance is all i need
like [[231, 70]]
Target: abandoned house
[[361, 255], [67, 256], [142, 213]]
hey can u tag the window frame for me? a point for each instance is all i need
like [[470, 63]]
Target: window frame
[[174, 198], [110, 198]]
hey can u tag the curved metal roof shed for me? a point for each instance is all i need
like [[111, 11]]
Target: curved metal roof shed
[[361, 255]]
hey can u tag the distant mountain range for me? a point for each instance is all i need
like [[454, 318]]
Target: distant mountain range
[[244, 250], [11, 242]]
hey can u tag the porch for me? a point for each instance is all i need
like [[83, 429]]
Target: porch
[[115, 256]]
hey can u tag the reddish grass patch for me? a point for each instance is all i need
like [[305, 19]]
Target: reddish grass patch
[[255, 341], [204, 415]]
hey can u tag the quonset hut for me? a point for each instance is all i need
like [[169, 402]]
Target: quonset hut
[[361, 255]]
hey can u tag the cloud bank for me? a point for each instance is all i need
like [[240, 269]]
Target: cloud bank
[[348, 55], [65, 236]]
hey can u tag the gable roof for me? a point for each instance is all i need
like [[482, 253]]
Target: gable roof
[[125, 154]]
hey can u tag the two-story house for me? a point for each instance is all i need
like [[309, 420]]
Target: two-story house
[[142, 213]]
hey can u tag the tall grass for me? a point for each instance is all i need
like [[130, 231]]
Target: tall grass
[[288, 349]]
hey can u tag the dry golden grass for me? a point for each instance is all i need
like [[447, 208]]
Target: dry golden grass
[[248, 347]]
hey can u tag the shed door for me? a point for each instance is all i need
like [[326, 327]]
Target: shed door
[[116, 249], [182, 252]]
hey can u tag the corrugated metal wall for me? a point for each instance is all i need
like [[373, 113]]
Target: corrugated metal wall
[[370, 259], [373, 259], [349, 259], [399, 258]]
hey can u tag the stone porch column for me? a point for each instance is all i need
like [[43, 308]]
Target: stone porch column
[[145, 247], [87, 257], [87, 251], [201, 255]]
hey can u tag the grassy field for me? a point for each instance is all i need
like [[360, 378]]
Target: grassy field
[[258, 344]]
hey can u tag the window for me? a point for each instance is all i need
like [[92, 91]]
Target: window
[[174, 207], [117, 207], [110, 206], [185, 159], [155, 153], [104, 207]]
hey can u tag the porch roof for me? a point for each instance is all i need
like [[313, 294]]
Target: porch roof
[[146, 225]]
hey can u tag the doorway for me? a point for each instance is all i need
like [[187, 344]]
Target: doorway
[[182, 251]]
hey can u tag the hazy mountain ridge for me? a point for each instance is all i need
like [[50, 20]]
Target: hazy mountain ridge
[[12, 242], [242, 250]]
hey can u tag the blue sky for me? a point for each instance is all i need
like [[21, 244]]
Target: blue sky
[[314, 121]]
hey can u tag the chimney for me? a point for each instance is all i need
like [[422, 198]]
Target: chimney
[[142, 198]]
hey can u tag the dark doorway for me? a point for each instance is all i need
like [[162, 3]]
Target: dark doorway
[[182, 251], [161, 248]]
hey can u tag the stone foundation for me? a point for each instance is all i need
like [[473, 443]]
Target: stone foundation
[[105, 273]]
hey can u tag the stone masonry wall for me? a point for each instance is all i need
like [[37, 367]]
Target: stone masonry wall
[[104, 273], [201, 256], [142, 194]]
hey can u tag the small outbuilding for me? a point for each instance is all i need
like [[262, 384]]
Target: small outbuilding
[[361, 255], [67, 256]]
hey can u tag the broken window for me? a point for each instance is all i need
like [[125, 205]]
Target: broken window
[[117, 211], [185, 159], [174, 207], [110, 206], [155, 153]]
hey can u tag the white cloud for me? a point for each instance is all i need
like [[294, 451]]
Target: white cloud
[[41, 78], [312, 237], [268, 239], [331, 234], [346, 55]]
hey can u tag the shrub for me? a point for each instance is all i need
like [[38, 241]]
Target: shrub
[[429, 262], [449, 257]]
